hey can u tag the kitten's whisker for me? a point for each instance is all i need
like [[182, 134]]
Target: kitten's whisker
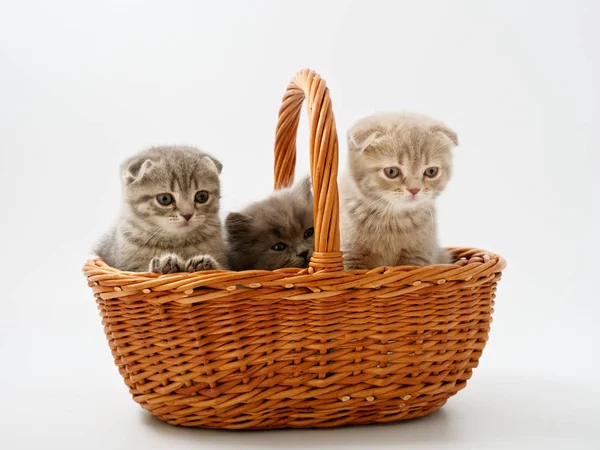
[[372, 216], [150, 238], [430, 211], [200, 251], [373, 203], [385, 211], [381, 213]]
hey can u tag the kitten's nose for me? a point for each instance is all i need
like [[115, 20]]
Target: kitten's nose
[[414, 191], [187, 217], [304, 255]]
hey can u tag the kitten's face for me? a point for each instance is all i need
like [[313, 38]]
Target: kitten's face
[[403, 167], [174, 191], [275, 233]]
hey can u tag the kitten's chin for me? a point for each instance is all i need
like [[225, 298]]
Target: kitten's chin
[[410, 203], [179, 229], [300, 264]]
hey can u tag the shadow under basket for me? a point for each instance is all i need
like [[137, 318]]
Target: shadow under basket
[[299, 348]]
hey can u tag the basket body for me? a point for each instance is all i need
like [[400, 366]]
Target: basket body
[[294, 349], [317, 347]]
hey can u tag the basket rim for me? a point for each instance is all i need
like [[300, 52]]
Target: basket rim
[[182, 287]]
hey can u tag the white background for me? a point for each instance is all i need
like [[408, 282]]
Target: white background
[[83, 85]]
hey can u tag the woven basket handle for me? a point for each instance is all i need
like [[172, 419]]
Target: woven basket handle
[[323, 161]]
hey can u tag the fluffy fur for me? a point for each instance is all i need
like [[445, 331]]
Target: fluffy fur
[[274, 233], [182, 235], [382, 222]]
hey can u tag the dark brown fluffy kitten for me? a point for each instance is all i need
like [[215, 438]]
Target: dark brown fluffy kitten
[[274, 233]]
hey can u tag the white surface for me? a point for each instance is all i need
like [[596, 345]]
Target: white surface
[[84, 85]]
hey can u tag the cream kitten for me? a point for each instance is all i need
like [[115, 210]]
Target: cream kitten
[[169, 219], [398, 165]]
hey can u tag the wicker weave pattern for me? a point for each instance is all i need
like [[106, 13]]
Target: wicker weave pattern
[[317, 347]]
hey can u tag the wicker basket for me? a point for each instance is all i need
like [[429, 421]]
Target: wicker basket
[[317, 347]]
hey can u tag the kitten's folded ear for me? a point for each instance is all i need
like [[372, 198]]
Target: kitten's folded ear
[[305, 187], [449, 133], [135, 169], [213, 162], [361, 136], [237, 223]]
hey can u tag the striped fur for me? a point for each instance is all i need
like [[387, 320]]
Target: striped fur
[[155, 237]]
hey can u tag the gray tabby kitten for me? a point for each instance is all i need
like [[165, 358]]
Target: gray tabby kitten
[[398, 165], [274, 233], [169, 219]]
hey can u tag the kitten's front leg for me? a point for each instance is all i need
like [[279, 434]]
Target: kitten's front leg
[[414, 260], [445, 257], [202, 262], [354, 261], [169, 263]]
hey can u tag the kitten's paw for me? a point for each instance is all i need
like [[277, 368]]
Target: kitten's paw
[[414, 261], [202, 262], [353, 263], [445, 257], [354, 266], [169, 263]]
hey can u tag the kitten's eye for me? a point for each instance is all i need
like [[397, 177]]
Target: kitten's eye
[[392, 172], [431, 172], [279, 247], [201, 196], [309, 233], [164, 199]]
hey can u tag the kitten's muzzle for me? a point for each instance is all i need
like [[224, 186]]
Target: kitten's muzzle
[[304, 255]]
